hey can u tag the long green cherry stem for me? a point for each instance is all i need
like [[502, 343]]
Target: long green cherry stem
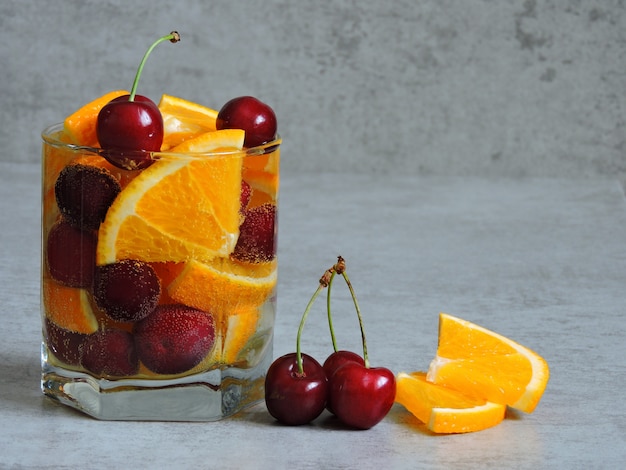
[[324, 282], [358, 312], [328, 311], [172, 37]]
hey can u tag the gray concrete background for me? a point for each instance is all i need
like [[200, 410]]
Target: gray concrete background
[[480, 87]]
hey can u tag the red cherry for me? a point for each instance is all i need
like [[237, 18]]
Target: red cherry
[[251, 115], [174, 338], [293, 398], [128, 130], [64, 344], [109, 352], [257, 235], [361, 396], [71, 254], [129, 127], [334, 362]]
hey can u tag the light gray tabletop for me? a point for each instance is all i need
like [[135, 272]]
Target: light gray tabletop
[[542, 261]]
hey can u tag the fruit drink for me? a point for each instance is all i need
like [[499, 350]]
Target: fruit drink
[[159, 266]]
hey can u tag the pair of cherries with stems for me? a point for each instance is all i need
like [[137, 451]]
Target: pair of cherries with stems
[[298, 388], [130, 127]]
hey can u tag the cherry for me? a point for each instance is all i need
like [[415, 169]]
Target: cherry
[[295, 395], [296, 387], [84, 194], [64, 344], [336, 360], [110, 352], [257, 235], [129, 127], [358, 395], [174, 339], [256, 118], [71, 254], [246, 195], [127, 290], [361, 396]]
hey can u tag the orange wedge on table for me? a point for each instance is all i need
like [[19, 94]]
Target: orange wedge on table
[[183, 120], [179, 209], [474, 376], [444, 410], [484, 364]]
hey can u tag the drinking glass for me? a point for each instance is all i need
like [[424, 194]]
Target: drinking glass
[[158, 284]]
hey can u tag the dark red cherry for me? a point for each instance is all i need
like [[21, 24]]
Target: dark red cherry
[[254, 117], [257, 235], [64, 344], [71, 254], [109, 352], [129, 127], [84, 194], [127, 290], [334, 362], [361, 397], [293, 398], [129, 130], [174, 338]]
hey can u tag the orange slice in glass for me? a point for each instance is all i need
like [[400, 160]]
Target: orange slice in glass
[[178, 208], [484, 364], [68, 307], [81, 125], [224, 285], [232, 291], [444, 410], [183, 120]]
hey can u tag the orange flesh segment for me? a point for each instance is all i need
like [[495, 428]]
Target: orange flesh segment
[[484, 364], [81, 124], [144, 222], [444, 410]]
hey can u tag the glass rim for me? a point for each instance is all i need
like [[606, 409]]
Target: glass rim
[[48, 137]]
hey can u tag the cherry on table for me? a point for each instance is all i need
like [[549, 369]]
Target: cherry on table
[[361, 396], [294, 397], [334, 362]]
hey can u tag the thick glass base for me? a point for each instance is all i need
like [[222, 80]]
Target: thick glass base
[[207, 396]]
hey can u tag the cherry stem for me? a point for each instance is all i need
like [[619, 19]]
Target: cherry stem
[[342, 271], [330, 317], [172, 37]]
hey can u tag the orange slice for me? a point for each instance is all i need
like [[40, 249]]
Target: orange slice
[[233, 292], [484, 364], [81, 125], [224, 285], [444, 410], [261, 172], [179, 209], [68, 307], [183, 120]]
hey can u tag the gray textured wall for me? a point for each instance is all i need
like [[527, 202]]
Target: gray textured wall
[[486, 87]]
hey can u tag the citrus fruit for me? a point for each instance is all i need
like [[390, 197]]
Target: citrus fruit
[[224, 285], [68, 307], [81, 125], [484, 364], [179, 208], [232, 291], [261, 172], [183, 120], [444, 410]]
